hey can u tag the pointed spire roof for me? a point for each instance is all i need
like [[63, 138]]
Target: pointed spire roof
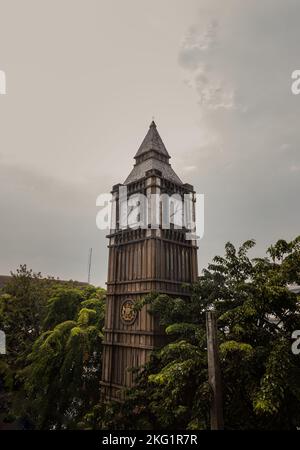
[[152, 154], [152, 141]]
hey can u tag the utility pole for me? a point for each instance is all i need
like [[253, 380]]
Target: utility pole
[[214, 372], [89, 265]]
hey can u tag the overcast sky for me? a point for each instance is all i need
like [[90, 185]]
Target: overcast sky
[[85, 77]]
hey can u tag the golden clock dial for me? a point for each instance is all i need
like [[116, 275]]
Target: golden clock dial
[[128, 313]]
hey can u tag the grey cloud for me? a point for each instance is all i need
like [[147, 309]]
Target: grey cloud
[[197, 41], [250, 169], [203, 75], [49, 224], [71, 126]]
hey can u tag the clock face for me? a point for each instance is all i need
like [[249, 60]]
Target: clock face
[[133, 217], [127, 313], [136, 208]]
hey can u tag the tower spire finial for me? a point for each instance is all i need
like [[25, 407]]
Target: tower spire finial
[[153, 124]]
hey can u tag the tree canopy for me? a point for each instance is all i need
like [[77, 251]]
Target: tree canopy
[[257, 314], [51, 373]]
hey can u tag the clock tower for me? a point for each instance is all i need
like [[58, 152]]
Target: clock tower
[[144, 259]]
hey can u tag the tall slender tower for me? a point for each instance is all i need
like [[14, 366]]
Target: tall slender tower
[[143, 260]]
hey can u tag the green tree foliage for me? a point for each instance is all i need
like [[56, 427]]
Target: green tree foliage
[[257, 314], [22, 307], [51, 372], [62, 378], [50, 376]]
